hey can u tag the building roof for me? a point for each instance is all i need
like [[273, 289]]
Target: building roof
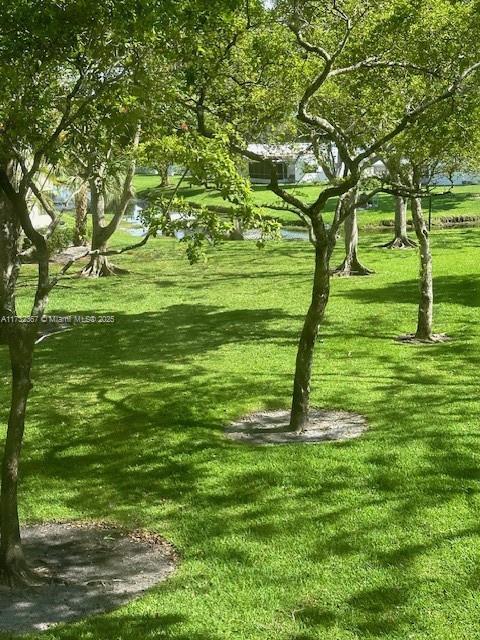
[[291, 151]]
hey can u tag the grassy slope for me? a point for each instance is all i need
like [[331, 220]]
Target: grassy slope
[[464, 201], [377, 538]]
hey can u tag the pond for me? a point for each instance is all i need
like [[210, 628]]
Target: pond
[[138, 230]]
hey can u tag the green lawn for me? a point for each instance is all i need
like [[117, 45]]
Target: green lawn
[[463, 201], [375, 538]]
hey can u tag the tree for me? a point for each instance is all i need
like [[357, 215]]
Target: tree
[[102, 152], [400, 240], [102, 231], [85, 59], [76, 53], [443, 143], [348, 48], [351, 265], [333, 167]]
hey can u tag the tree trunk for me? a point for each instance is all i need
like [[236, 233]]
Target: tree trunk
[[237, 232], [164, 177], [21, 341], [81, 212], [401, 239], [10, 241], [425, 309], [303, 370], [13, 567], [351, 266], [99, 266]]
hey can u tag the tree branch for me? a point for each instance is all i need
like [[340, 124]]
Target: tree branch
[[414, 114], [126, 191], [311, 48], [110, 252], [375, 63]]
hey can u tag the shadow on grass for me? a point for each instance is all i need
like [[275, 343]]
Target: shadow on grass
[[145, 445], [461, 290], [119, 370], [146, 627]]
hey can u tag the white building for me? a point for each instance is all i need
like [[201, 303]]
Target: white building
[[295, 162]]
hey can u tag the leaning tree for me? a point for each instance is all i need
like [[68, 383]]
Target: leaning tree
[[337, 49], [70, 60], [56, 60]]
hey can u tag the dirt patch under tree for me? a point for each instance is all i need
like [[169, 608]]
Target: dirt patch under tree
[[272, 427], [89, 569], [410, 338]]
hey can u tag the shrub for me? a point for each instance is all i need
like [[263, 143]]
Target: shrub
[[60, 239]]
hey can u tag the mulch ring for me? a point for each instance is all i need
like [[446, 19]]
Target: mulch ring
[[272, 428], [91, 569]]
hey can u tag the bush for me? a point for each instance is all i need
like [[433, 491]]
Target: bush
[[60, 239]]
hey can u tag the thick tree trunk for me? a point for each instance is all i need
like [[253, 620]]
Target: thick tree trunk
[[81, 211], [401, 239], [425, 309], [351, 266], [13, 567], [303, 370], [99, 266]]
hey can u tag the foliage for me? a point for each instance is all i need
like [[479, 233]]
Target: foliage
[[60, 239], [207, 160], [340, 55]]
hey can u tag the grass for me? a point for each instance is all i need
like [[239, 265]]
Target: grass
[[463, 201], [375, 538]]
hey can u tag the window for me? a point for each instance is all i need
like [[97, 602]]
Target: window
[[261, 170]]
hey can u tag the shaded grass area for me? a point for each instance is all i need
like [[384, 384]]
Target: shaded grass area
[[376, 538], [461, 201]]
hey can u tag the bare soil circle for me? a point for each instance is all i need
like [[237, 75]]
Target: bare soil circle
[[92, 569], [410, 338], [272, 428]]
